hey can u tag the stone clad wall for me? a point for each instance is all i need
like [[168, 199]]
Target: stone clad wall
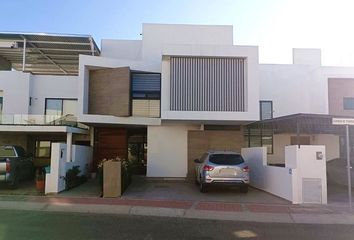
[[109, 92]]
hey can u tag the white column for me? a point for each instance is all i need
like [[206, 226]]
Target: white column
[[69, 143]]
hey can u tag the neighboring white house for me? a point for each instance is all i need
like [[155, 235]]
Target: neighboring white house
[[176, 93]]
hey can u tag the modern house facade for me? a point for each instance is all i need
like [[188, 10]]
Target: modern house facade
[[166, 99]]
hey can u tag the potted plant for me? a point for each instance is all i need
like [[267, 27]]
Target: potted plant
[[40, 180]]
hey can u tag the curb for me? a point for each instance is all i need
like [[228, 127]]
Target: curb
[[69, 206]]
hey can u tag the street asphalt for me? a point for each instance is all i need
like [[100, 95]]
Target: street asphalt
[[16, 224]]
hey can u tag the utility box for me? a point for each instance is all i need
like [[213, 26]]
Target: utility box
[[112, 183]]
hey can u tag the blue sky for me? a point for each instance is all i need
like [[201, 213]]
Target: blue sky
[[276, 26]]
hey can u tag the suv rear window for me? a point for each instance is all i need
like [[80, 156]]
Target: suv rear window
[[226, 159]]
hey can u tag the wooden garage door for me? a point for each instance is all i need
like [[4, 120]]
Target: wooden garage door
[[110, 143]]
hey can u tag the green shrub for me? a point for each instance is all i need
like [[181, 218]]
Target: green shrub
[[72, 178]]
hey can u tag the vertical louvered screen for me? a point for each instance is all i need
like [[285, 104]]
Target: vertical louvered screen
[[207, 84]]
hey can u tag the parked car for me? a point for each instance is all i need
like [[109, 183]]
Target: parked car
[[221, 168], [15, 165]]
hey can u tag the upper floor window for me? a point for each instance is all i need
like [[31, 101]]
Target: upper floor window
[[1, 100], [266, 110], [146, 85], [58, 106], [146, 94], [348, 103]]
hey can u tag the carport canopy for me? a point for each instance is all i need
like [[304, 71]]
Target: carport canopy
[[44, 53], [301, 123]]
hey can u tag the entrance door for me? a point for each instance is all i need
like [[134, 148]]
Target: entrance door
[[110, 143]]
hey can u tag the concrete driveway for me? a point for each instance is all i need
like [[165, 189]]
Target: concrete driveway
[[142, 188]]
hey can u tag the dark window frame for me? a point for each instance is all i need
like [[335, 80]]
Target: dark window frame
[[142, 98], [260, 135], [260, 109], [37, 149], [62, 105]]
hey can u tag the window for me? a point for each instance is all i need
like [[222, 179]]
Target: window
[[58, 106], [348, 103], [146, 85], [226, 159], [260, 138], [1, 100], [7, 151], [146, 94], [266, 110], [43, 149]]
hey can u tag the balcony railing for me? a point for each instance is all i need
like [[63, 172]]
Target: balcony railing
[[43, 120]]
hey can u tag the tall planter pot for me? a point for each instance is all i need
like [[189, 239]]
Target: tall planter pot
[[112, 182]]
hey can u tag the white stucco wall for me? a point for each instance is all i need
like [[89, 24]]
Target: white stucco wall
[[293, 89], [280, 141], [18, 87], [81, 156], [276, 180], [301, 87], [47, 86], [287, 182], [121, 49], [305, 165], [16, 92], [167, 154], [331, 142], [156, 36]]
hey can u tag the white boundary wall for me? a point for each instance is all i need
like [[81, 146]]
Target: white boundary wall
[[287, 182], [276, 180], [81, 156]]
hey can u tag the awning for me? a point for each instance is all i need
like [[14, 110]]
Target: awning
[[43, 53], [301, 124]]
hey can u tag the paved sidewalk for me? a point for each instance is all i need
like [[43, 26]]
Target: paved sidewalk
[[281, 213]]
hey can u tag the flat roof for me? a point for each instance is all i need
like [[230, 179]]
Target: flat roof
[[46, 53]]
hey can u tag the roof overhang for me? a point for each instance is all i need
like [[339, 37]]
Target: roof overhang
[[41, 129], [43, 53], [301, 123]]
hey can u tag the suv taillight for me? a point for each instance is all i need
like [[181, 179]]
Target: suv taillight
[[208, 168], [246, 169], [8, 166]]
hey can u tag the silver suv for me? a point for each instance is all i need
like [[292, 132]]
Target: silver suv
[[221, 167]]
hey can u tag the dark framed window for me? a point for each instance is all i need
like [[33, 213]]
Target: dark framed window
[[1, 100], [146, 85], [60, 106], [348, 103], [260, 138], [145, 94], [43, 149], [266, 110]]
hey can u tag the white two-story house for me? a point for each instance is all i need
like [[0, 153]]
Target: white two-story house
[[163, 100]]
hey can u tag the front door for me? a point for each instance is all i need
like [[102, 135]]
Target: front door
[[110, 143]]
